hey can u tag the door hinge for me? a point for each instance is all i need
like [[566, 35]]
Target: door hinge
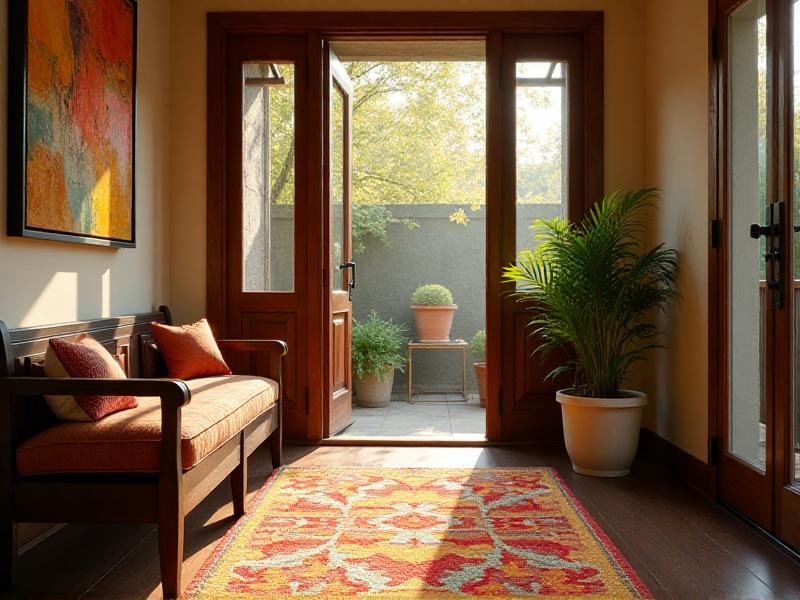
[[500, 401], [714, 43], [716, 233], [308, 401], [716, 449]]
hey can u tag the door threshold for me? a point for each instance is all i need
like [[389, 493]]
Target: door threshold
[[477, 441]]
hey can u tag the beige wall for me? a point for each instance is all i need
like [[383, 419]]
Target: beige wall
[[656, 98], [676, 150], [49, 282], [624, 98]]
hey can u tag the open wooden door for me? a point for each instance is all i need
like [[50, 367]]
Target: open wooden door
[[340, 277]]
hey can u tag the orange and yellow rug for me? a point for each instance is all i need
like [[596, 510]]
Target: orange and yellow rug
[[339, 533]]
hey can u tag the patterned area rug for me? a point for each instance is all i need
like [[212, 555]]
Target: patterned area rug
[[416, 533]]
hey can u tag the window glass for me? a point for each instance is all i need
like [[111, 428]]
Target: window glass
[[541, 138], [268, 172], [338, 107], [748, 189]]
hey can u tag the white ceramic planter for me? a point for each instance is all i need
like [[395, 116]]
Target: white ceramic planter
[[371, 392], [602, 434]]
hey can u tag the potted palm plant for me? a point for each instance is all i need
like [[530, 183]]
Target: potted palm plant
[[478, 347], [376, 354], [593, 291], [433, 312]]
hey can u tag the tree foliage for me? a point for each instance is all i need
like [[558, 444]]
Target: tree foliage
[[372, 221], [419, 137], [282, 139], [418, 132]]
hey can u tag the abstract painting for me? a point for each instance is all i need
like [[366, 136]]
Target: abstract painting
[[72, 74]]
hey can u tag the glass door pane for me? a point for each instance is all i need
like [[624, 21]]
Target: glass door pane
[[747, 201], [337, 187]]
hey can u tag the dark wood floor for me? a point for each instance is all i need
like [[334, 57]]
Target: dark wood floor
[[683, 546]]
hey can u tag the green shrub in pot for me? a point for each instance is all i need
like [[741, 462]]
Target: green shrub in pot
[[377, 352], [478, 347], [434, 310]]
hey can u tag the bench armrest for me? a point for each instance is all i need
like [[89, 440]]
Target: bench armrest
[[173, 391], [271, 346], [275, 350]]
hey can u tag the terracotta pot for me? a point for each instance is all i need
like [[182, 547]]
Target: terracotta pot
[[480, 375], [602, 434], [434, 322], [371, 392]]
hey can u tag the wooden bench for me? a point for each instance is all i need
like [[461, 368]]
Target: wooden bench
[[164, 496]]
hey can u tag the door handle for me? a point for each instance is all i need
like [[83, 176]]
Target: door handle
[[756, 230], [351, 284], [773, 232]]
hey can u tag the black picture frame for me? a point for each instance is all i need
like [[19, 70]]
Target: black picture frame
[[17, 225]]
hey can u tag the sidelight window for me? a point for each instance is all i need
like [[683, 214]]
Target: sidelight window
[[268, 177]]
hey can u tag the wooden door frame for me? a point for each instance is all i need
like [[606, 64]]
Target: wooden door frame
[[489, 25], [787, 501], [782, 523], [719, 273], [716, 239]]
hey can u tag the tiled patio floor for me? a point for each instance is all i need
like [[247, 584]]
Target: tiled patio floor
[[425, 420]]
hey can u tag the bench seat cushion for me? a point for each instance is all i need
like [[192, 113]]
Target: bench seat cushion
[[130, 441]]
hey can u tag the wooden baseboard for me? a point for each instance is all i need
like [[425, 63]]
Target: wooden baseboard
[[692, 471]]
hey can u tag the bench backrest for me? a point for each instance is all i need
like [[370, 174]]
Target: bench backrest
[[22, 353]]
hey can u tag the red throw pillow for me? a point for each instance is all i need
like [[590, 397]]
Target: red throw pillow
[[190, 351], [85, 357]]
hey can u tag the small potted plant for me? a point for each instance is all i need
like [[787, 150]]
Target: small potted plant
[[433, 312], [377, 344], [478, 346], [593, 291]]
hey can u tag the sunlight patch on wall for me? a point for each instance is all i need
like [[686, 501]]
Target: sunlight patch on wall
[[53, 301], [106, 292]]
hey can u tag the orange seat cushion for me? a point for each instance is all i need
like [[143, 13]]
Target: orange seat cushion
[[130, 441]]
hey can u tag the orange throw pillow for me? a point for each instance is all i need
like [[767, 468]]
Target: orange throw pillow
[[85, 357], [190, 351]]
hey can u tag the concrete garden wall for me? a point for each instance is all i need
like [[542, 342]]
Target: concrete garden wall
[[438, 251]]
